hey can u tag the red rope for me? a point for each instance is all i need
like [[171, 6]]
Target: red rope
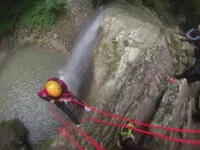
[[98, 147], [66, 134], [193, 142], [137, 122], [91, 140]]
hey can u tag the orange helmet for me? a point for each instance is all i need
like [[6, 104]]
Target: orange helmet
[[53, 88]]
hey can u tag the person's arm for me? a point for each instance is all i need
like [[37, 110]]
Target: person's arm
[[43, 95], [189, 33], [195, 38]]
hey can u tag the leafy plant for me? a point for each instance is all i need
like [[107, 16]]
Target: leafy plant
[[31, 13], [44, 13]]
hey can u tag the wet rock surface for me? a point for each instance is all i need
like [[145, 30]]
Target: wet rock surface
[[177, 110]]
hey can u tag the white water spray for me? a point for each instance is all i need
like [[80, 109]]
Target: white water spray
[[77, 69]]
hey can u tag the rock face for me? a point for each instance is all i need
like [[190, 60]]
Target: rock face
[[136, 55], [176, 110], [3, 57]]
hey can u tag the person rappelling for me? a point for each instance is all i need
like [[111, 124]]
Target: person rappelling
[[193, 36], [126, 139], [56, 91]]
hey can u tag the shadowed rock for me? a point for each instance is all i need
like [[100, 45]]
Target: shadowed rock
[[13, 135]]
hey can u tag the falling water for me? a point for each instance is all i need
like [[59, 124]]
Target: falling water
[[77, 70]]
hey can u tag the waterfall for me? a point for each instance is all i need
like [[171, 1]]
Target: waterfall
[[77, 70]]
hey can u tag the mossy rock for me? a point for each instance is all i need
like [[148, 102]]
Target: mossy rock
[[13, 135], [46, 145]]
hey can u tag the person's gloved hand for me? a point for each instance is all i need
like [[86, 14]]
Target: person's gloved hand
[[61, 99], [188, 36], [65, 99], [88, 109], [52, 101]]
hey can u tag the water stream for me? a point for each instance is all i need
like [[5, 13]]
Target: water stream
[[77, 72]]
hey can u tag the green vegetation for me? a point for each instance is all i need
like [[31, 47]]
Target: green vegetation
[[44, 13], [13, 135], [46, 145], [31, 13], [189, 9]]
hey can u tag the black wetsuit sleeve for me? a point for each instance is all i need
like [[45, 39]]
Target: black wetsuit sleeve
[[48, 99], [192, 74]]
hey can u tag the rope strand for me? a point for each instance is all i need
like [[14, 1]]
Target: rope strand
[[178, 140], [91, 140], [67, 135], [137, 122]]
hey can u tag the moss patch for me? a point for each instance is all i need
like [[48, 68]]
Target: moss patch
[[177, 51], [13, 135], [114, 62], [114, 57], [46, 145]]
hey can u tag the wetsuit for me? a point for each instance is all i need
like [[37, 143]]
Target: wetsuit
[[61, 103], [192, 74]]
